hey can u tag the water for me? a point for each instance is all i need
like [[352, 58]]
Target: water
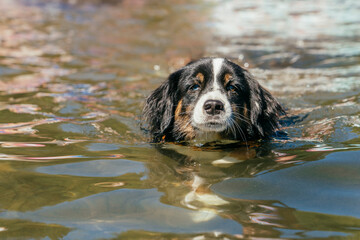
[[74, 164]]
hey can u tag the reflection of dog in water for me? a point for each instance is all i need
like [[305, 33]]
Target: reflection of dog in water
[[211, 99], [186, 174]]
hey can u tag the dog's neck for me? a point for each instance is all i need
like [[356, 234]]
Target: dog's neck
[[206, 137]]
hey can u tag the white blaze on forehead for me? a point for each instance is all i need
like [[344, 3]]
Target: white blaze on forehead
[[217, 63], [200, 118]]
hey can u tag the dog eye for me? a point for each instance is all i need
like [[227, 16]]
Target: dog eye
[[195, 87], [230, 88]]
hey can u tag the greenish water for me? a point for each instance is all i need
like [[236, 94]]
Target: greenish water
[[75, 165]]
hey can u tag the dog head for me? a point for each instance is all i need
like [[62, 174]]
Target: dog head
[[211, 99]]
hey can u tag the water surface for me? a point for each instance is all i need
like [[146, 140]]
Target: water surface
[[75, 165]]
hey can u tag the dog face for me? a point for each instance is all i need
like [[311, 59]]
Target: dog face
[[211, 99]]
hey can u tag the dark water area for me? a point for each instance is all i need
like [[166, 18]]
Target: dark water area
[[74, 163]]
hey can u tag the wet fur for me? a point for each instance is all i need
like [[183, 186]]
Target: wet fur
[[167, 111]]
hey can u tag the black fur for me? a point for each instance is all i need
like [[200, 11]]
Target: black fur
[[265, 117], [158, 112], [263, 109]]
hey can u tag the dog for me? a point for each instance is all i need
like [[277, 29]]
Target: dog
[[211, 99]]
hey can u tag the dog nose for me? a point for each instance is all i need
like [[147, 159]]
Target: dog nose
[[213, 107]]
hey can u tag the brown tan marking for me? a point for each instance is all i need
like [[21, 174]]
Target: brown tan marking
[[227, 78], [200, 77], [246, 111], [178, 109], [182, 122]]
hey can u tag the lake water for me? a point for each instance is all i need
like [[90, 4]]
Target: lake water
[[75, 165]]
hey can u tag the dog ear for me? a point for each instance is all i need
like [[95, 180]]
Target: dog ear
[[158, 112], [265, 110]]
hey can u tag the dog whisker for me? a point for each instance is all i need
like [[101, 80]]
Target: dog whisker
[[233, 126]]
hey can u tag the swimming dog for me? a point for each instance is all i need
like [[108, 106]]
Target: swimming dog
[[211, 99]]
